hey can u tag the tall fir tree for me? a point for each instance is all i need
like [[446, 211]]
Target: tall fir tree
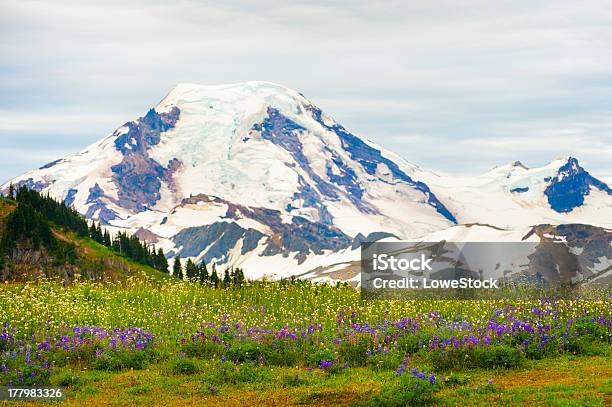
[[177, 268], [191, 270], [214, 277], [226, 278], [238, 277], [107, 239], [161, 263], [203, 274]]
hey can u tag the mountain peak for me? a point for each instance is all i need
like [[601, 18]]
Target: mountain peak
[[571, 166], [519, 164], [287, 178], [183, 89], [242, 97], [251, 86], [566, 190]]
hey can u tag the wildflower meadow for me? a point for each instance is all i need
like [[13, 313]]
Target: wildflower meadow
[[293, 342]]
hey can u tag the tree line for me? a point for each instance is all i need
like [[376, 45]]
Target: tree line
[[232, 277]]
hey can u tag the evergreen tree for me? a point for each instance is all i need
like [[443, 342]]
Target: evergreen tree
[[95, 232], [191, 270], [107, 239], [116, 245], [214, 277], [226, 278], [177, 268], [161, 263], [238, 277], [204, 277]]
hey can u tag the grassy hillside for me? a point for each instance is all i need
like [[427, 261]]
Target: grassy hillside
[[6, 207], [93, 261], [106, 264]]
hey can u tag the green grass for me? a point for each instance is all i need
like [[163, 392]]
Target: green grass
[[6, 207], [563, 381], [114, 264]]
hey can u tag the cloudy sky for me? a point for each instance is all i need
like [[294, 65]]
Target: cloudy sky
[[452, 88]]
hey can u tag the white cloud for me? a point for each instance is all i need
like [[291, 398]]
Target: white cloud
[[479, 83]]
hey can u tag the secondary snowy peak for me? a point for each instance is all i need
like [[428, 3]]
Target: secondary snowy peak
[[515, 196], [566, 184]]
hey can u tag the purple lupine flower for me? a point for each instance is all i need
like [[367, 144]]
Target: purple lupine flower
[[325, 364], [27, 354], [401, 369]]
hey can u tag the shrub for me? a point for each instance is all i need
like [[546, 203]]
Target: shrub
[[244, 351], [385, 361], [182, 365], [315, 358], [202, 349], [228, 373], [355, 354], [283, 354], [405, 391], [67, 379], [491, 357], [117, 360]]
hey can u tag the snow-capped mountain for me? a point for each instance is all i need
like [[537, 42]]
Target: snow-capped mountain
[[254, 174]]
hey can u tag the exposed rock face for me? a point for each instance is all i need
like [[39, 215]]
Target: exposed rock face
[[311, 199], [98, 208], [370, 158], [567, 190], [138, 176], [285, 133], [146, 236], [30, 183], [372, 237], [587, 253], [215, 240], [70, 195], [51, 164], [299, 237]]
